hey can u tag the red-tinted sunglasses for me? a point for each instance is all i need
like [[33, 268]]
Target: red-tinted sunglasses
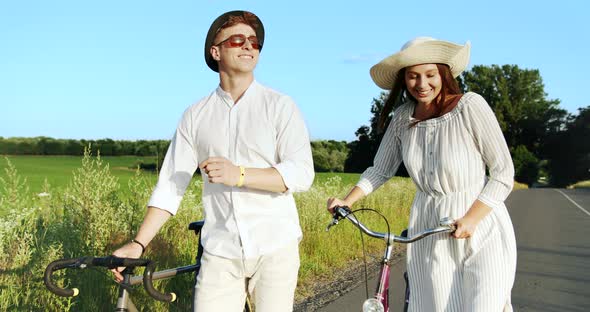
[[238, 40]]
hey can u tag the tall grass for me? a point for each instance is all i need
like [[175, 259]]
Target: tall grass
[[579, 185], [94, 214], [519, 186]]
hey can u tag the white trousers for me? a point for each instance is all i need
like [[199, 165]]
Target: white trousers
[[270, 280]]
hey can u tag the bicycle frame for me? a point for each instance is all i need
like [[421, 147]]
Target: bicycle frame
[[124, 302], [380, 302]]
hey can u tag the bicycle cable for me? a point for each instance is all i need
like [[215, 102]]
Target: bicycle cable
[[363, 244]]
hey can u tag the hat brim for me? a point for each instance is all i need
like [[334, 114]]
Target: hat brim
[[456, 56], [217, 24]]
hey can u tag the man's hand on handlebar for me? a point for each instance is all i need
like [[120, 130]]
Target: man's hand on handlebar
[[129, 250]]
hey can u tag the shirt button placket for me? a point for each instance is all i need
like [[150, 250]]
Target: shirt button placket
[[233, 134], [233, 141], [430, 146]]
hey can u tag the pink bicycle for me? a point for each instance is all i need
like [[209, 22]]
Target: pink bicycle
[[380, 302]]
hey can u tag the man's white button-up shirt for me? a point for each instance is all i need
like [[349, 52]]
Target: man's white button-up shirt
[[264, 129]]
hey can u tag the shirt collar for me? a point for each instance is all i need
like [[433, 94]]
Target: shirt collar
[[226, 96]]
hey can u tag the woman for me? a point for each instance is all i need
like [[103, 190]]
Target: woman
[[446, 139]]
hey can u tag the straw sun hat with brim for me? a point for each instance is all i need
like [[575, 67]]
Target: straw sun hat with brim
[[220, 21], [421, 50]]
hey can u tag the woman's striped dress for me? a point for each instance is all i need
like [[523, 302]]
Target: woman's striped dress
[[447, 159]]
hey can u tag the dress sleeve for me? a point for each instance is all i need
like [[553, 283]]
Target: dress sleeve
[[293, 148], [386, 161], [491, 143], [178, 168]]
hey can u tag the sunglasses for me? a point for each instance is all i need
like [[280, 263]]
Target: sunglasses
[[238, 40]]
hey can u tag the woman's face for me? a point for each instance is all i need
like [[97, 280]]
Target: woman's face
[[423, 82]]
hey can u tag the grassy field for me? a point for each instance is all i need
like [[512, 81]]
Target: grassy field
[[58, 170]]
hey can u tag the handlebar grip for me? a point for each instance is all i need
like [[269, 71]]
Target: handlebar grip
[[340, 212], [149, 286], [112, 262], [58, 265]]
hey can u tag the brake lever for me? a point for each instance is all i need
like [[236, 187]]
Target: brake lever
[[334, 222], [339, 213], [448, 223]]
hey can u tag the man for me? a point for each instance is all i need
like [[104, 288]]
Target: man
[[253, 149]]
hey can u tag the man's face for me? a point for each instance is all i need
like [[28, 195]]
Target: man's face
[[235, 59]]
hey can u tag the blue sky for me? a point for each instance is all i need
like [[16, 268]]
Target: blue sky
[[128, 69]]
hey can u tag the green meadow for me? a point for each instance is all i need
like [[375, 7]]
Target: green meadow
[[58, 170]]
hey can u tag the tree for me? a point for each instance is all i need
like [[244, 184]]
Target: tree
[[329, 156], [527, 118], [145, 148], [568, 151], [50, 146], [526, 165], [107, 147], [73, 147], [519, 101], [363, 149]]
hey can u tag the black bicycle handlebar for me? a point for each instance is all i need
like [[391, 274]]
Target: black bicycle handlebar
[[149, 286], [58, 265], [446, 225], [109, 262]]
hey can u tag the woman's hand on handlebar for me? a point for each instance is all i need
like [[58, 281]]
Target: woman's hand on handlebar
[[353, 196], [465, 227], [335, 202], [129, 250]]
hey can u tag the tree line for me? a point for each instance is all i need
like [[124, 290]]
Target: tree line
[[545, 140], [329, 155], [107, 147]]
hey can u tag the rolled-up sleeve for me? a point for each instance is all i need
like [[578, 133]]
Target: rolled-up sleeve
[[494, 150], [293, 148], [177, 170], [386, 161]]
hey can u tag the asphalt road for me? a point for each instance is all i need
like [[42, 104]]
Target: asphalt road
[[553, 272]]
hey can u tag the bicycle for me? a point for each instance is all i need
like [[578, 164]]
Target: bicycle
[[124, 302], [380, 302]]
